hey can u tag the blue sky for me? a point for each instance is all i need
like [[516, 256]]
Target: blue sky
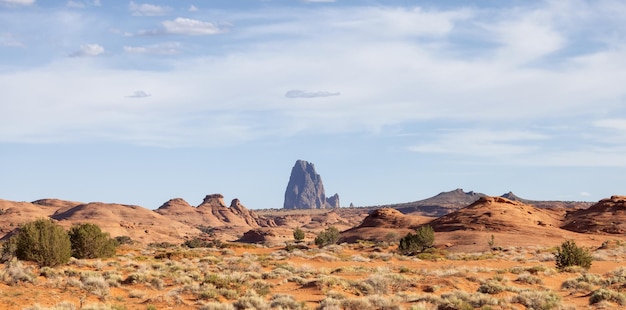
[[393, 101]]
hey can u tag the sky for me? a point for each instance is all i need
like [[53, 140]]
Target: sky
[[393, 101]]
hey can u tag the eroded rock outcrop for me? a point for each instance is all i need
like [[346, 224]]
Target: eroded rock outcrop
[[305, 189], [214, 212], [608, 216]]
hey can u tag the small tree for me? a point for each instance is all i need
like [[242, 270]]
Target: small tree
[[298, 235], [89, 241], [43, 242], [412, 244], [327, 237], [569, 254]]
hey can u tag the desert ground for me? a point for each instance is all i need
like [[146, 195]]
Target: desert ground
[[495, 253], [363, 275]]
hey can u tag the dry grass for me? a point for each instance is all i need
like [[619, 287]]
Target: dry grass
[[339, 277]]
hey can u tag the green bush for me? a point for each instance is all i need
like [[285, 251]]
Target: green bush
[[413, 244], [89, 241], [44, 243], [569, 254], [298, 235], [198, 243], [123, 240], [327, 237]]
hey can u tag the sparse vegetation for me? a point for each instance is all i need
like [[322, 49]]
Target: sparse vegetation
[[298, 235], [89, 241], [413, 244], [327, 237], [44, 243], [569, 254]]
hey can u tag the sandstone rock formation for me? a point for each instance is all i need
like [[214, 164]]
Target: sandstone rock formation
[[384, 224], [139, 223], [608, 216], [305, 189], [213, 212], [498, 214], [268, 236]]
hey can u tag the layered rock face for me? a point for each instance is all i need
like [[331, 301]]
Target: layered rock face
[[305, 189]]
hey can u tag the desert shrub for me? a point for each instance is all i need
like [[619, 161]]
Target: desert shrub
[[284, 301], [298, 235], [15, 272], [491, 287], [262, 288], [607, 295], [528, 279], [217, 306], [251, 301], [545, 300], [162, 245], [327, 237], [51, 273], [8, 250], [123, 240], [197, 243], [44, 243], [413, 244], [95, 284], [89, 241], [569, 254]]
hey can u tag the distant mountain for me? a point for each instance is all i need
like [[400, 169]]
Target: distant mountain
[[447, 202], [438, 205]]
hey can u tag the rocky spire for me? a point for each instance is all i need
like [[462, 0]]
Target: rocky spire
[[305, 189]]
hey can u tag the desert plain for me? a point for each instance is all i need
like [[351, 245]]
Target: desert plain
[[495, 253]]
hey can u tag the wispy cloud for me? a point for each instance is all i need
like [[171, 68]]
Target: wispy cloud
[[481, 142], [184, 26], [146, 9], [16, 2], [88, 50], [139, 94], [397, 68], [75, 4], [192, 8], [171, 48], [309, 94], [9, 40], [188, 26]]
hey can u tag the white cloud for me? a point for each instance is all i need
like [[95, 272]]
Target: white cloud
[[188, 26], [75, 4], [397, 68], [171, 48], [309, 94], [482, 143], [527, 37], [139, 94], [17, 2], [585, 194], [319, 1], [146, 9], [88, 50], [193, 8], [97, 3]]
